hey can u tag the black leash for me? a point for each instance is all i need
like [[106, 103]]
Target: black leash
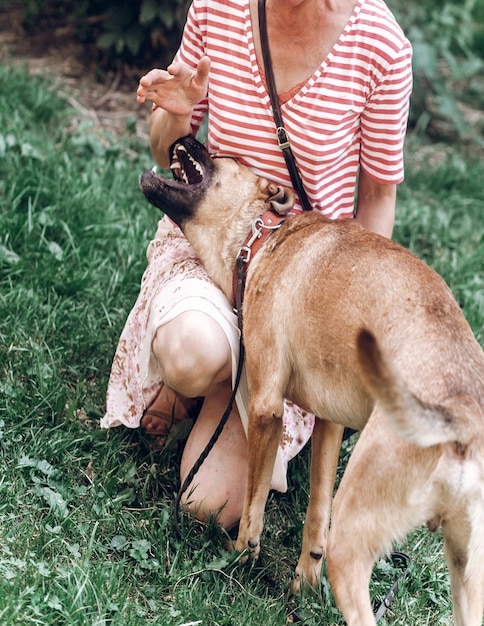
[[283, 141], [403, 561], [241, 266], [284, 145]]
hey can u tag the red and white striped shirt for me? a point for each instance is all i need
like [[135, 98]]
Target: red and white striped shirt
[[353, 110]]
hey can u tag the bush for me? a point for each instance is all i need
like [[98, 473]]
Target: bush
[[448, 47], [134, 30], [448, 41], [123, 30]]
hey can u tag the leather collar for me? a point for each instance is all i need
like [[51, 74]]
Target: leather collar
[[262, 227]]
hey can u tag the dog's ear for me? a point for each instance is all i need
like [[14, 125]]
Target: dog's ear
[[280, 198]]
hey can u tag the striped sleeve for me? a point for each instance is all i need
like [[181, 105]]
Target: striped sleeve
[[384, 121], [192, 49]]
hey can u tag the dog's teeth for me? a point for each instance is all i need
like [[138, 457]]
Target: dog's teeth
[[196, 165], [154, 169], [175, 165]]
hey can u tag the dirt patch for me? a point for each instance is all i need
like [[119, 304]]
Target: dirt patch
[[108, 99]]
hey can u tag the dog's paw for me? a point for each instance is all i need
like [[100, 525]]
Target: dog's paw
[[307, 581], [252, 548], [295, 586]]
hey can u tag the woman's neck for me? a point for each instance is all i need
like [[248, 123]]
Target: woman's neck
[[301, 35]]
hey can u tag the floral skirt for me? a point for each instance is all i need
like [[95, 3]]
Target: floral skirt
[[175, 281]]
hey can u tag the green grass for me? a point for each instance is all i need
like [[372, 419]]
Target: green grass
[[86, 532]]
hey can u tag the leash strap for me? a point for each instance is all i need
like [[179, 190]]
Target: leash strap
[[198, 463], [241, 265], [402, 560], [239, 284], [281, 134], [283, 141]]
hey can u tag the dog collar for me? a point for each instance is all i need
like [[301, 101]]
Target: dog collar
[[262, 227]]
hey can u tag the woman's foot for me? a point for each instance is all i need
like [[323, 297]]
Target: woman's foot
[[169, 408]]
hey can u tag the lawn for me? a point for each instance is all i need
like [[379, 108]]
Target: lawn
[[86, 515]]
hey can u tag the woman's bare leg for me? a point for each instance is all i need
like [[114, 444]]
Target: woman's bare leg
[[195, 360]]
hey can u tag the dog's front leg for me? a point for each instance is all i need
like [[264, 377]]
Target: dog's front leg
[[264, 434], [325, 448]]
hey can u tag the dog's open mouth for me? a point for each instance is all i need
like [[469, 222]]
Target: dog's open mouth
[[185, 168], [192, 169], [190, 164]]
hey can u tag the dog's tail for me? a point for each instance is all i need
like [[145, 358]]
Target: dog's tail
[[419, 422]]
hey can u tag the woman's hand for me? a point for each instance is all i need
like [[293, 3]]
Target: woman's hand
[[177, 89]]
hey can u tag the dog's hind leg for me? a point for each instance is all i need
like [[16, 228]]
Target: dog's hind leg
[[350, 559], [325, 448], [464, 551], [385, 492], [264, 434]]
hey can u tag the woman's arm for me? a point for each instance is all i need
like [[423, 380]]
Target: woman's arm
[[375, 206]]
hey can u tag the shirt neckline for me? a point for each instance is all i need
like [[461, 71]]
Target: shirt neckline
[[301, 88]]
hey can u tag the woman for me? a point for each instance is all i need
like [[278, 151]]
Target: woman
[[343, 75]]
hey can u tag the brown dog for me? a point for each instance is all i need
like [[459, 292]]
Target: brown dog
[[357, 330]]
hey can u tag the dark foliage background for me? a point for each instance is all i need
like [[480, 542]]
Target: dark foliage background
[[448, 40]]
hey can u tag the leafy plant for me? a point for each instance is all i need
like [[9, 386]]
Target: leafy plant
[[446, 58], [135, 30], [126, 30]]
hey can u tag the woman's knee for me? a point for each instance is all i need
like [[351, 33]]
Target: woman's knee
[[207, 506], [193, 353]]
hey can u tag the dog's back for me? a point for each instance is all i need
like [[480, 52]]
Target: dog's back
[[340, 279]]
